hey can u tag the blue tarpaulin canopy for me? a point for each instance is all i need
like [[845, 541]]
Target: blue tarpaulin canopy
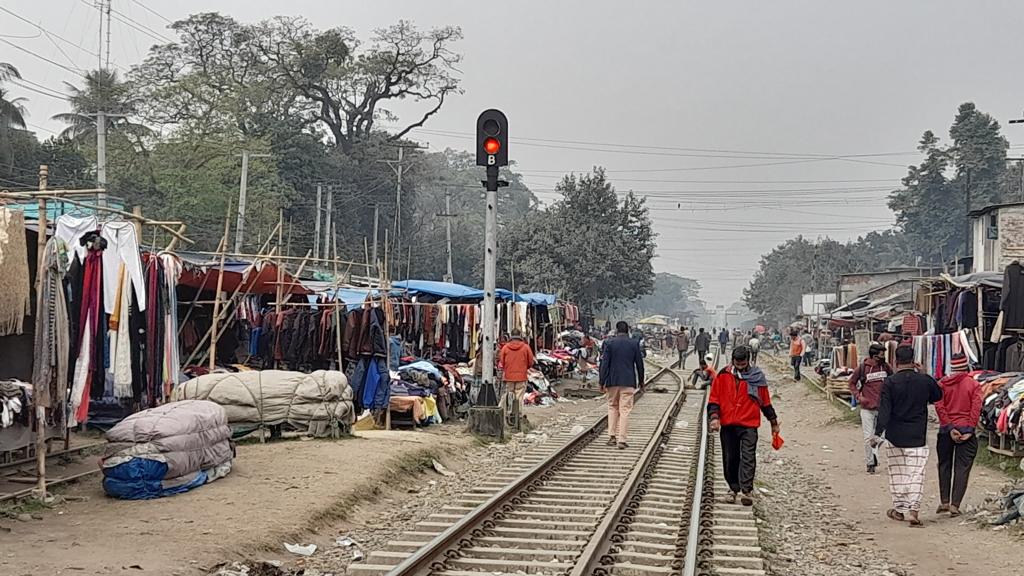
[[439, 289], [462, 292], [352, 297]]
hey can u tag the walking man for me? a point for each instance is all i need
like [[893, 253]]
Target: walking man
[[683, 347], [702, 343], [723, 341], [739, 395], [903, 419], [959, 411], [515, 359], [796, 353], [808, 347], [622, 370], [755, 348], [866, 388]]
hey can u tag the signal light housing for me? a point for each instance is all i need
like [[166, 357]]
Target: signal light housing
[[492, 139]]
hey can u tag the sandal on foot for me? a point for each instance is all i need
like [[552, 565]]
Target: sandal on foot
[[623, 445], [894, 515], [954, 511], [730, 498], [746, 499], [942, 509], [612, 441], [916, 523]]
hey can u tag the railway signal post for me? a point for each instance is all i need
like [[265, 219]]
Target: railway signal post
[[487, 417]]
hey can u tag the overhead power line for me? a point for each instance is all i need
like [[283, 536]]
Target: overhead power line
[[153, 12], [45, 92], [49, 33], [78, 72], [696, 152]]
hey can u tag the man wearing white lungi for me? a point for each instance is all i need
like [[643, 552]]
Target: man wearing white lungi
[[903, 418]]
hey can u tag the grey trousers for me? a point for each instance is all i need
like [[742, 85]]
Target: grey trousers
[[867, 423]]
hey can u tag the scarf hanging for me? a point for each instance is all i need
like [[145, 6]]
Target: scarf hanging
[[51, 345], [14, 273]]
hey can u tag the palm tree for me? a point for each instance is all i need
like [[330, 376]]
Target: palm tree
[[12, 112], [103, 91]]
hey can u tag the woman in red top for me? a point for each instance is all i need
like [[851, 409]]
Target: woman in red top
[[959, 412]]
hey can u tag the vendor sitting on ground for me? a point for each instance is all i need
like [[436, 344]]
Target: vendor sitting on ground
[[703, 376]]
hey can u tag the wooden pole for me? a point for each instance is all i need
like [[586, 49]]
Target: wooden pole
[[366, 252], [216, 295], [137, 212], [44, 172], [337, 281], [163, 224]]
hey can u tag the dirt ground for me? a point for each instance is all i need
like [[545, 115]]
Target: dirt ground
[[277, 492], [829, 448]]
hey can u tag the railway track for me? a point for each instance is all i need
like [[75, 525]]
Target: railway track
[[580, 507], [18, 478]]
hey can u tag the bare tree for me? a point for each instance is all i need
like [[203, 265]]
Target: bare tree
[[351, 88]]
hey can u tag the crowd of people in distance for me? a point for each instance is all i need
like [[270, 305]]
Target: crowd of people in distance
[[893, 403]]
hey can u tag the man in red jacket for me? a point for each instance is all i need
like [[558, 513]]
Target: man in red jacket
[[866, 387], [739, 395], [959, 411], [515, 360]]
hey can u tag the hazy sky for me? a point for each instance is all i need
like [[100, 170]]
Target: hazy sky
[[706, 107]]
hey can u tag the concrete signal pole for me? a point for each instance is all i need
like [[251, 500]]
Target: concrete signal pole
[[487, 417]]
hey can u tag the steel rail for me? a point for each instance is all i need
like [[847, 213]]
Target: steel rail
[[693, 534], [49, 482], [599, 540], [32, 460], [422, 560]]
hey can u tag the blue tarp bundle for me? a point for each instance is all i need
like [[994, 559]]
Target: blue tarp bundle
[[143, 479]]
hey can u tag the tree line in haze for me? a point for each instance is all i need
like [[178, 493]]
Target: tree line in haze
[[931, 207]]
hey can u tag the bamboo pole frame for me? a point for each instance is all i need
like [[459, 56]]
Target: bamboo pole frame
[[60, 195], [216, 295], [44, 172]]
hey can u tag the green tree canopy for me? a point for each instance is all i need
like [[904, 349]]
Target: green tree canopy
[[589, 246]]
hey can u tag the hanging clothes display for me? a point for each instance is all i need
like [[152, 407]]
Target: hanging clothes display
[[71, 229], [14, 272], [51, 349], [88, 340], [122, 251], [1012, 299]]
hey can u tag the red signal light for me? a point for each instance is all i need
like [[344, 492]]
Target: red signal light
[[492, 145]]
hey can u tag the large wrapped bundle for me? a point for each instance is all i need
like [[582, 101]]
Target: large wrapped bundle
[[166, 450], [317, 404]]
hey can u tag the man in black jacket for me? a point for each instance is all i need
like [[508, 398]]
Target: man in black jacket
[[702, 344], [622, 370], [903, 418]]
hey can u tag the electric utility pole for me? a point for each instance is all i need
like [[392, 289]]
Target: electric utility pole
[[242, 189], [398, 167], [316, 228], [449, 277]]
